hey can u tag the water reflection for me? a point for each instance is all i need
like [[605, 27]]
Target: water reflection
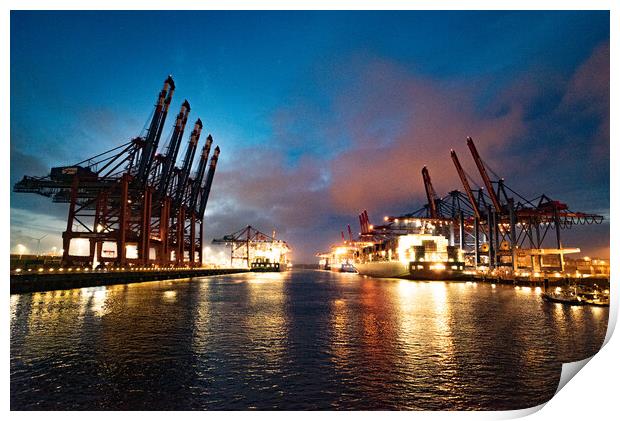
[[295, 340], [170, 295], [93, 300]]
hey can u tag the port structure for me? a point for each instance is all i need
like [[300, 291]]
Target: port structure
[[131, 204], [250, 248], [494, 225]]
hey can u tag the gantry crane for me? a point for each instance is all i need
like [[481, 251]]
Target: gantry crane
[[253, 249], [493, 224], [132, 205], [506, 228]]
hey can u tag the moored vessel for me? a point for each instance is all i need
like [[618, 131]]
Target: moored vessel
[[340, 258], [411, 256], [563, 298]]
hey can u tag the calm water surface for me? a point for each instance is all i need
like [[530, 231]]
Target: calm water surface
[[296, 340]]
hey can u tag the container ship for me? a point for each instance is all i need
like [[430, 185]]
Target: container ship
[[340, 258], [410, 248], [411, 256]]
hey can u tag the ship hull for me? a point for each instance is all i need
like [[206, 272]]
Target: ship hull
[[401, 270], [430, 275], [383, 269], [450, 271], [343, 269], [268, 267]]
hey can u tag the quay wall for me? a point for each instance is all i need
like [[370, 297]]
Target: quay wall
[[540, 281], [45, 281]]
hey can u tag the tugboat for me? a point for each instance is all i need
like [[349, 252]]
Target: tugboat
[[596, 298]]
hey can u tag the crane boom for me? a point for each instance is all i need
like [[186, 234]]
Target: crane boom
[[173, 149], [154, 131], [466, 186], [483, 174], [187, 162], [202, 166], [206, 190], [430, 193], [366, 221]]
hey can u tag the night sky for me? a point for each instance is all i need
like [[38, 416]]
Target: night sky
[[321, 114]]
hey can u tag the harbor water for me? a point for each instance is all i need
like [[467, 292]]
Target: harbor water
[[294, 340]]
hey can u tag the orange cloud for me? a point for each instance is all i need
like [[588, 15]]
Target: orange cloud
[[434, 116]]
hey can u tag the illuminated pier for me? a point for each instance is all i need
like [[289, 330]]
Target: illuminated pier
[[47, 279]]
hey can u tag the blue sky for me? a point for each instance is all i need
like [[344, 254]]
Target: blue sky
[[309, 106]]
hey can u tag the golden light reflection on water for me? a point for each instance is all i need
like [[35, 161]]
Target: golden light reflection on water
[[15, 299], [376, 331], [170, 296], [442, 319], [340, 335], [94, 301], [424, 324], [202, 318], [59, 314], [266, 321]]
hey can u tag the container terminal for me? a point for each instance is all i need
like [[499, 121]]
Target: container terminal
[[489, 233], [132, 209]]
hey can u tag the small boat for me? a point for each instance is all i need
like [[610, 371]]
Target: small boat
[[563, 298], [597, 300]]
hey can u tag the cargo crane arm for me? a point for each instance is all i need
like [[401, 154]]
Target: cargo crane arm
[[431, 196], [202, 166], [466, 186], [187, 164], [154, 132], [206, 190], [365, 223], [484, 175], [173, 150]]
